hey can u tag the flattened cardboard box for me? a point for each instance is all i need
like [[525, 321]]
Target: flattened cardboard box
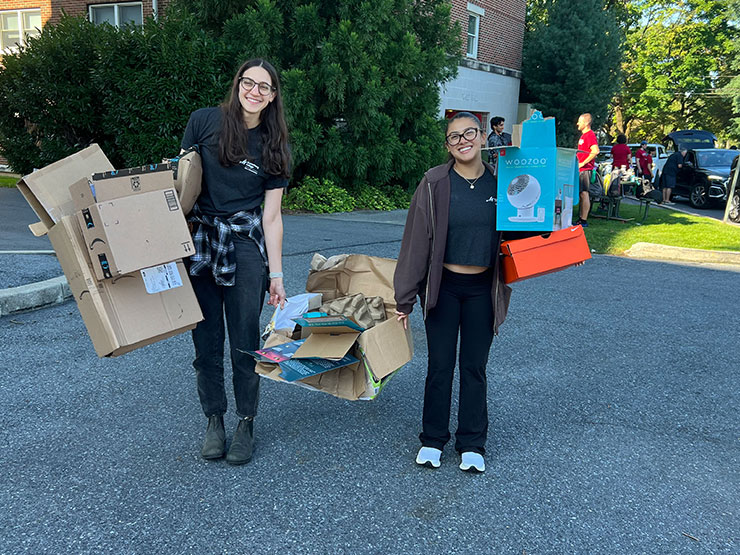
[[382, 349], [119, 314]]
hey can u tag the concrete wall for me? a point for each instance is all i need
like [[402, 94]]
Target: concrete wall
[[482, 91]]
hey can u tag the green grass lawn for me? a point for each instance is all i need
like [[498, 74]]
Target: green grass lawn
[[8, 181], [663, 227]]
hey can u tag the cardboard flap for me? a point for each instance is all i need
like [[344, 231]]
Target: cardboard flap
[[324, 345], [523, 245], [82, 194], [370, 275], [38, 229], [387, 347], [47, 189]]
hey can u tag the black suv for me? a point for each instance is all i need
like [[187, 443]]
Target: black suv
[[704, 176], [689, 138]]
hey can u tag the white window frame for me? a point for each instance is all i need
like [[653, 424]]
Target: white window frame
[[477, 13], [116, 10], [21, 30]]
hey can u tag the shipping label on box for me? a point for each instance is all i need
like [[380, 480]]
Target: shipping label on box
[[537, 181]]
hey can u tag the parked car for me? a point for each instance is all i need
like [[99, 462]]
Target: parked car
[[704, 177], [690, 138], [605, 154]]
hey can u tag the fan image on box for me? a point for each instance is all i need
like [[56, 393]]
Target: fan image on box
[[523, 193]]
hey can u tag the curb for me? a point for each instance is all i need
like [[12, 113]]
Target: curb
[[682, 254], [34, 295]]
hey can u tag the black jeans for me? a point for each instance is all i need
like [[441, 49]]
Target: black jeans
[[464, 306], [242, 304]]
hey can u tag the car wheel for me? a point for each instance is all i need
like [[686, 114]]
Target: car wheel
[[734, 214], [656, 180], [699, 195]]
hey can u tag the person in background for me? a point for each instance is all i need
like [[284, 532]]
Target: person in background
[[246, 162], [644, 162], [588, 149], [621, 155], [670, 172], [449, 259], [497, 138]]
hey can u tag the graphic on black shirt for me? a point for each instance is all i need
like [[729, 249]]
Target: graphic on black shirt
[[228, 190]]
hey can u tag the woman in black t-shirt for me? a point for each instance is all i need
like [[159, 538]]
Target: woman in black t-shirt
[[246, 163]]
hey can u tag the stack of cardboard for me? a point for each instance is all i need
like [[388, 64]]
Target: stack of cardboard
[[120, 238], [380, 351]]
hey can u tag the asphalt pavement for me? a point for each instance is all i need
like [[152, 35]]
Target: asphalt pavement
[[614, 423]]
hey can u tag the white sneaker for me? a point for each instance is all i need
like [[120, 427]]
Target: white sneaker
[[472, 462], [429, 456]]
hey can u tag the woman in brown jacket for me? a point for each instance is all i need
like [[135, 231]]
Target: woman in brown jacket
[[449, 259]]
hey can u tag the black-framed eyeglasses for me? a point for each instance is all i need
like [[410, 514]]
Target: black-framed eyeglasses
[[263, 87], [469, 134]]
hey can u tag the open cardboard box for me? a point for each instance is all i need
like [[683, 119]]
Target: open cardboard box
[[119, 313], [381, 350]]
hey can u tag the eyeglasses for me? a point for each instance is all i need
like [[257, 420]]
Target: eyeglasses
[[263, 87], [469, 134]]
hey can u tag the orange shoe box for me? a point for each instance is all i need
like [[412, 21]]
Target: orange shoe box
[[544, 254]]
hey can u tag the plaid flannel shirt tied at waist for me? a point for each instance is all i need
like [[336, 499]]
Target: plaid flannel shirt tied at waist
[[214, 245]]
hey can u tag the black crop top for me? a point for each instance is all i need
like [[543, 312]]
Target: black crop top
[[471, 233]]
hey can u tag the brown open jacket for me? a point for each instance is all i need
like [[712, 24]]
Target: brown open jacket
[[420, 262]]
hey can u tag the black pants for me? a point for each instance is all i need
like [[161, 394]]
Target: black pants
[[464, 306], [242, 303]]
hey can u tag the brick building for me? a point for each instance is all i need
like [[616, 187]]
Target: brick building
[[20, 19], [488, 78]]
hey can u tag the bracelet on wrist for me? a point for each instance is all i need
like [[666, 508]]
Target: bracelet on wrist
[[274, 275]]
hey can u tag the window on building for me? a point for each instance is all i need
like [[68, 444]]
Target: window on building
[[117, 14], [475, 13], [473, 28], [17, 26]]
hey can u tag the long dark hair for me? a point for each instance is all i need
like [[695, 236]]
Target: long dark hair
[[234, 136]]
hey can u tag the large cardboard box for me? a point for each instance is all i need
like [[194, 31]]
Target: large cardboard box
[[120, 314], [538, 182], [381, 350], [131, 219]]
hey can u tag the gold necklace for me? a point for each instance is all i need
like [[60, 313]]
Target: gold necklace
[[471, 182]]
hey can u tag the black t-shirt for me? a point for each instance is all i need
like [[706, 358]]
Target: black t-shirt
[[228, 190], [471, 233]]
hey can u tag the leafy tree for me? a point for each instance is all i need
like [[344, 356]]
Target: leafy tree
[[676, 61], [360, 83], [732, 89], [360, 79], [572, 60]]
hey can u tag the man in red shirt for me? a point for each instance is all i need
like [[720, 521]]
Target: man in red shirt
[[588, 149], [644, 162]]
